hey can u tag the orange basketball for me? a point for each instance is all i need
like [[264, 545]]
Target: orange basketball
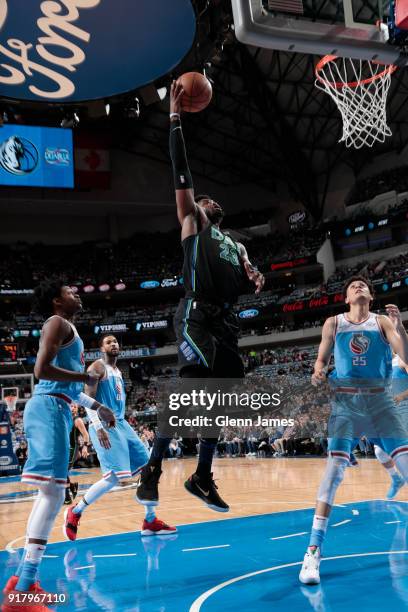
[[197, 92]]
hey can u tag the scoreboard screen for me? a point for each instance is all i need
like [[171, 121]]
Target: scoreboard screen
[[8, 352]]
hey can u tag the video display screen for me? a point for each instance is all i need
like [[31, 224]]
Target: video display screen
[[36, 156]]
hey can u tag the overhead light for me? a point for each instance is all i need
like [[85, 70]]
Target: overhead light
[[107, 108], [162, 92]]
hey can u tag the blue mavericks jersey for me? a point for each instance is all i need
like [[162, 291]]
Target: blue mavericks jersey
[[111, 391], [399, 380], [69, 357], [361, 350]]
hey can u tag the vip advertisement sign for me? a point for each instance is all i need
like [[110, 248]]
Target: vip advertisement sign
[[72, 50]]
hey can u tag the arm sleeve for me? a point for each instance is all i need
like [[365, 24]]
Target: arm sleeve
[[181, 171]]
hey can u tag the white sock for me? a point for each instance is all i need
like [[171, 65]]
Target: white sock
[[98, 489], [150, 514], [384, 458], [402, 465]]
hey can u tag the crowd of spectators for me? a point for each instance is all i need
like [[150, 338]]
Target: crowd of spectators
[[394, 179]]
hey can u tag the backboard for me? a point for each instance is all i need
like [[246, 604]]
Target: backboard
[[346, 28]]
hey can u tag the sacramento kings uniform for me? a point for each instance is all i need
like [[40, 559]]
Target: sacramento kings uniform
[[127, 454], [204, 322], [399, 384], [48, 419], [361, 383]]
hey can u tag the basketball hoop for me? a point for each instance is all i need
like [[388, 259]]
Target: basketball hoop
[[11, 401], [359, 88]]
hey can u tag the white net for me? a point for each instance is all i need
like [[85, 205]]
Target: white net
[[11, 402], [359, 88]]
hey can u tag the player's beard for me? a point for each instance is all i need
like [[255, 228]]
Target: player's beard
[[215, 216]]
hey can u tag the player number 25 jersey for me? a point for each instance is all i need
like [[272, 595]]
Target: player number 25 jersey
[[361, 349]]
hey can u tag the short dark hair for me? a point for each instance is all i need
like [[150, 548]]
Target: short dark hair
[[200, 197], [44, 294], [102, 338], [358, 277]]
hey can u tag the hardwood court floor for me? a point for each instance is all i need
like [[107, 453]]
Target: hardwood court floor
[[250, 485]]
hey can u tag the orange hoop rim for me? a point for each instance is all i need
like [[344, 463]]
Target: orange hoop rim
[[389, 69]]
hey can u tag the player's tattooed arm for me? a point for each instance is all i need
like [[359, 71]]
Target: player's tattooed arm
[[55, 332], [96, 372], [252, 272], [96, 411], [394, 331], [325, 351]]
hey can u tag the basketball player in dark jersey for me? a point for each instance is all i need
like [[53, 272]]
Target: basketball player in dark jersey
[[215, 271], [78, 429]]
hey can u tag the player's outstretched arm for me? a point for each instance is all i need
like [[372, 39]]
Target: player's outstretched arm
[[54, 333], [188, 213], [252, 272], [394, 331], [325, 351]]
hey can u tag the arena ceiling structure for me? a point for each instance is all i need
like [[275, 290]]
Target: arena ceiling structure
[[267, 122]]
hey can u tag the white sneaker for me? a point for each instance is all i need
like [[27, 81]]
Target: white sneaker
[[309, 574]]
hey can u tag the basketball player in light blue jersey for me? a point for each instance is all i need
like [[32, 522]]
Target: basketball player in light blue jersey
[[400, 393], [362, 343], [47, 423], [122, 455]]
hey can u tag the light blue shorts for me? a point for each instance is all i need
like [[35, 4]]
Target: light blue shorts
[[47, 425], [375, 416], [127, 454]]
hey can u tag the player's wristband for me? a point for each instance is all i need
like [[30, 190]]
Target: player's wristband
[[177, 115], [87, 401], [95, 420]]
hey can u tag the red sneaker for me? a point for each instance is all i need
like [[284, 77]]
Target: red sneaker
[[11, 603], [71, 523], [156, 527], [10, 584]]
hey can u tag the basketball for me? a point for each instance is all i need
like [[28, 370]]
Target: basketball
[[197, 92]]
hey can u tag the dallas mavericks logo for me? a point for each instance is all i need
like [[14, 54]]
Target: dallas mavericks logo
[[359, 344], [18, 155]]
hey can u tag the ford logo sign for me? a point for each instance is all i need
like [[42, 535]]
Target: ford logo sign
[[72, 50], [149, 284], [248, 314], [297, 217]]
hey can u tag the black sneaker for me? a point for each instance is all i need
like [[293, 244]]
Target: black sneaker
[[74, 489], [68, 496], [205, 489], [147, 492]]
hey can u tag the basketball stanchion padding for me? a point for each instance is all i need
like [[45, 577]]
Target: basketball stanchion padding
[[359, 88]]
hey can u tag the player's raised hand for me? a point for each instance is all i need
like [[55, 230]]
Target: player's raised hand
[[394, 315], [176, 94], [107, 417], [318, 377], [254, 276], [103, 438]]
